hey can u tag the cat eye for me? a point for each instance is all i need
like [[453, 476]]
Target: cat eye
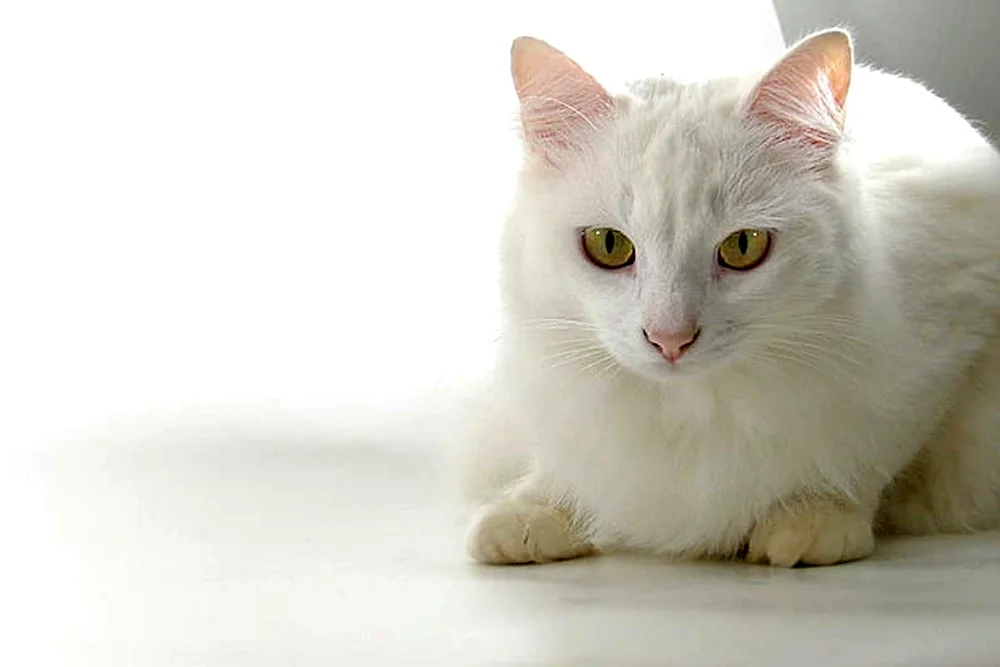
[[744, 249], [608, 248]]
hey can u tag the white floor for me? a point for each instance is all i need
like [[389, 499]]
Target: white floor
[[202, 545]]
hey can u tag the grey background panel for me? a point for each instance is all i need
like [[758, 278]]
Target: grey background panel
[[951, 46]]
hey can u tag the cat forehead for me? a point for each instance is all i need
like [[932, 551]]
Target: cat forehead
[[685, 156], [692, 124], [662, 95]]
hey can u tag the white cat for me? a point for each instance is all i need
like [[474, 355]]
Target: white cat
[[753, 316]]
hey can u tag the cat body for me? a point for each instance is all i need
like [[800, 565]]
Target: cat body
[[847, 382]]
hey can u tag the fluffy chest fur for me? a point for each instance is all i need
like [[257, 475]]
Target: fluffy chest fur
[[691, 467]]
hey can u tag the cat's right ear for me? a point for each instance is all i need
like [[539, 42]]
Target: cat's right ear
[[802, 99], [561, 105]]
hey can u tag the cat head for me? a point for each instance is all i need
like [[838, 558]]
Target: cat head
[[680, 228]]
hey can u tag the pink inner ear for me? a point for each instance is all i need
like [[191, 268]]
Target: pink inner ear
[[560, 103], [803, 96]]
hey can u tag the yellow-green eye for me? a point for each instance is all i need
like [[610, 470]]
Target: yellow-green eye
[[744, 249], [608, 248]]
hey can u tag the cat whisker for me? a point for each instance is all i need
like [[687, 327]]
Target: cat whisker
[[807, 338], [574, 356], [563, 340], [810, 360], [604, 358], [570, 347], [558, 324]]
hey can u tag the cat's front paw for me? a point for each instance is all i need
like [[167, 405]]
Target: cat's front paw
[[513, 531], [821, 535]]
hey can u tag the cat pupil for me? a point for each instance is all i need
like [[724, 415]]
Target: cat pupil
[[743, 243], [609, 242]]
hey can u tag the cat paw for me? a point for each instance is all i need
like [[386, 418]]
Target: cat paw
[[511, 532], [820, 536]]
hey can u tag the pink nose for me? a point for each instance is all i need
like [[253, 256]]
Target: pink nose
[[672, 344]]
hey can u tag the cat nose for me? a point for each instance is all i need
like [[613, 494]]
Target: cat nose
[[672, 344]]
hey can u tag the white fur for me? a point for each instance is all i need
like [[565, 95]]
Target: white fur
[[854, 375]]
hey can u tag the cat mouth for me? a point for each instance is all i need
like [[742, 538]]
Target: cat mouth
[[662, 370]]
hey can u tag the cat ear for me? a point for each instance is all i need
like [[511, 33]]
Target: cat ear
[[560, 103], [802, 97]]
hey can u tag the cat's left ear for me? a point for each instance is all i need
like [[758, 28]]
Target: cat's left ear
[[561, 105], [802, 98]]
